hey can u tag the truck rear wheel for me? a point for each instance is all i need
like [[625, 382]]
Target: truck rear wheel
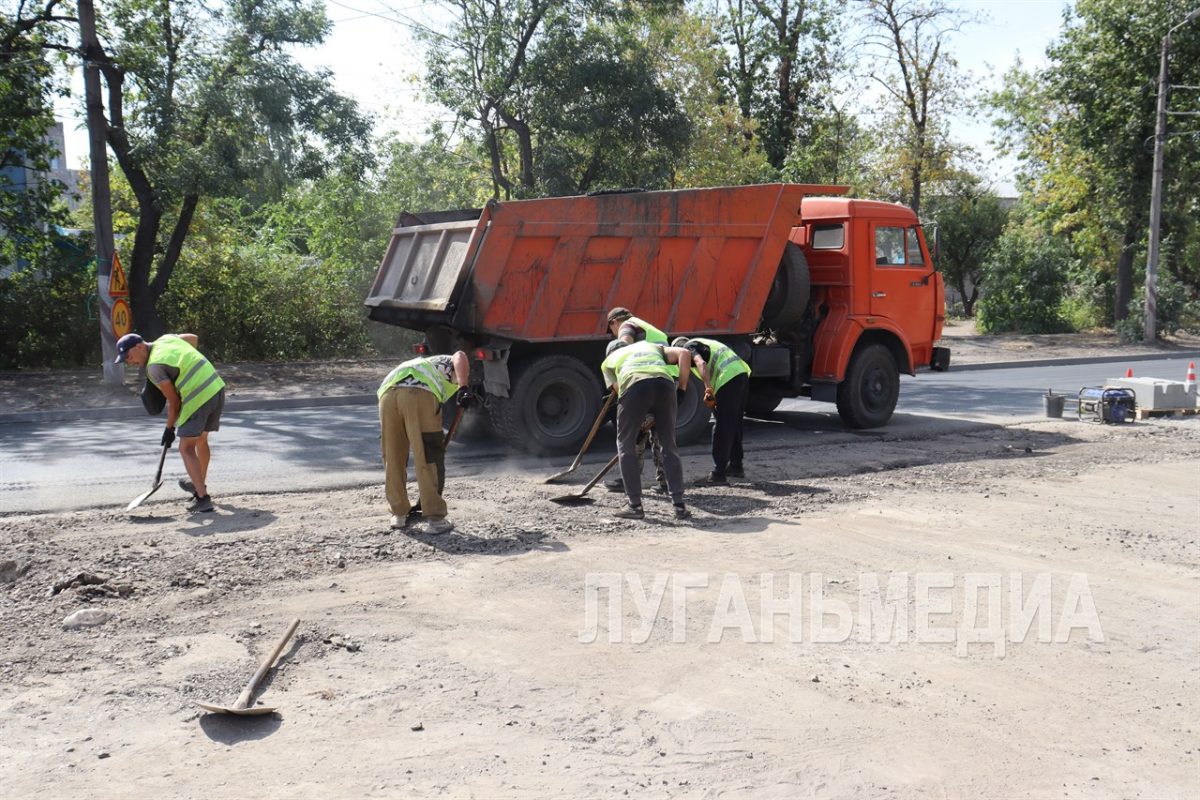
[[551, 406], [867, 397], [692, 416], [763, 399]]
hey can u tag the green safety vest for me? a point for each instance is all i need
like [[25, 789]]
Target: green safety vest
[[641, 359], [653, 334], [429, 375], [198, 381], [723, 364]]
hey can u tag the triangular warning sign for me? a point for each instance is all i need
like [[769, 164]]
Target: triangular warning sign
[[117, 285]]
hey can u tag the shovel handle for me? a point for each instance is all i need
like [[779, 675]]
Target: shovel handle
[[458, 415], [243, 700], [599, 475], [162, 459], [608, 401]]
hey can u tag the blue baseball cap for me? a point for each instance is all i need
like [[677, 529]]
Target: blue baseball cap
[[125, 344]]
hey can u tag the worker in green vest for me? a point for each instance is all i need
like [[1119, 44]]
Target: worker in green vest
[[726, 389], [410, 418], [195, 396], [627, 328], [644, 385]]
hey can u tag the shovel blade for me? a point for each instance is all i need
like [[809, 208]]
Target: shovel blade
[[559, 475], [137, 501], [253, 711], [572, 500]]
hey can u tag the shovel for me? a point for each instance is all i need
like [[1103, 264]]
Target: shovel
[[579, 499], [137, 501], [242, 706], [586, 443]]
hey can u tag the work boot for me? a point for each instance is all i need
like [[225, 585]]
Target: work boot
[[200, 504], [735, 471], [436, 527], [399, 523], [631, 512], [616, 485], [681, 511], [661, 488], [713, 479], [188, 487]]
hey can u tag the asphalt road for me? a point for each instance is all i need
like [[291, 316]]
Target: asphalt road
[[93, 464]]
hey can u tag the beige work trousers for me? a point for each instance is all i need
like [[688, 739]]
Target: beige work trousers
[[407, 416]]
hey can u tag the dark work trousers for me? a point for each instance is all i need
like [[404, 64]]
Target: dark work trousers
[[649, 396], [730, 416]]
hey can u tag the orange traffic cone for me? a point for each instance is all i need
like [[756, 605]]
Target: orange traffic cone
[[1189, 383], [1129, 372]]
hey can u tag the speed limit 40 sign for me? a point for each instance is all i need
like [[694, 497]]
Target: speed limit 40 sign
[[122, 319]]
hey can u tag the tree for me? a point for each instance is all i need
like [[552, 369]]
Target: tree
[[564, 93], [206, 102], [1083, 127], [970, 221], [28, 201], [781, 64], [831, 147], [1026, 276], [907, 42]]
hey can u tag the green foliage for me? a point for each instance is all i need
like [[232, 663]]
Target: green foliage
[[969, 222], [250, 295], [781, 66], [1176, 311], [1026, 278], [831, 148], [28, 198], [47, 309], [1084, 127]]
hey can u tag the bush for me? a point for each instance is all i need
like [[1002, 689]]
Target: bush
[[1175, 311], [49, 310], [1025, 280]]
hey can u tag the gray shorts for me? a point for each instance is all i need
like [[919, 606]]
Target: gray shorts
[[206, 419]]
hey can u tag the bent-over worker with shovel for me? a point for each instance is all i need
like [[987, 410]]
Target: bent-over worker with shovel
[[195, 396], [410, 418], [640, 376]]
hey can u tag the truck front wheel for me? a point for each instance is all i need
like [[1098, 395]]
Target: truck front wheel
[[867, 397], [551, 406]]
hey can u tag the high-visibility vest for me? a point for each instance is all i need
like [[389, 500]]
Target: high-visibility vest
[[198, 381], [723, 364], [424, 371], [653, 334], [639, 359]]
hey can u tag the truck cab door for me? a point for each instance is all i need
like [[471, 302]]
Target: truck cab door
[[904, 284]]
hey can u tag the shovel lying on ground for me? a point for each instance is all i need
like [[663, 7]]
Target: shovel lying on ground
[[579, 499], [242, 706], [137, 501], [608, 401]]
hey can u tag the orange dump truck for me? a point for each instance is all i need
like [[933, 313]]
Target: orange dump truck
[[826, 297]]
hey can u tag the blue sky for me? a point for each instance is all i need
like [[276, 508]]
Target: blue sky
[[373, 58]]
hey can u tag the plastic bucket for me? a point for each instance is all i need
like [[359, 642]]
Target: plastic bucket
[[1052, 404]]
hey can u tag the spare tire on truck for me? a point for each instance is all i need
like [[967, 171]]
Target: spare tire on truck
[[789, 293]]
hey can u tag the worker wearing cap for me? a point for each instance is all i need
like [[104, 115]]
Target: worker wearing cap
[[626, 327], [726, 389], [639, 374], [195, 396], [410, 418]]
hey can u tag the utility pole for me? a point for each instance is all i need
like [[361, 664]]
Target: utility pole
[[89, 47], [1150, 330]]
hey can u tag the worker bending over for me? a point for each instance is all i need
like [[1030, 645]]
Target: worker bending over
[[639, 374], [410, 418], [623, 325], [726, 389]]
